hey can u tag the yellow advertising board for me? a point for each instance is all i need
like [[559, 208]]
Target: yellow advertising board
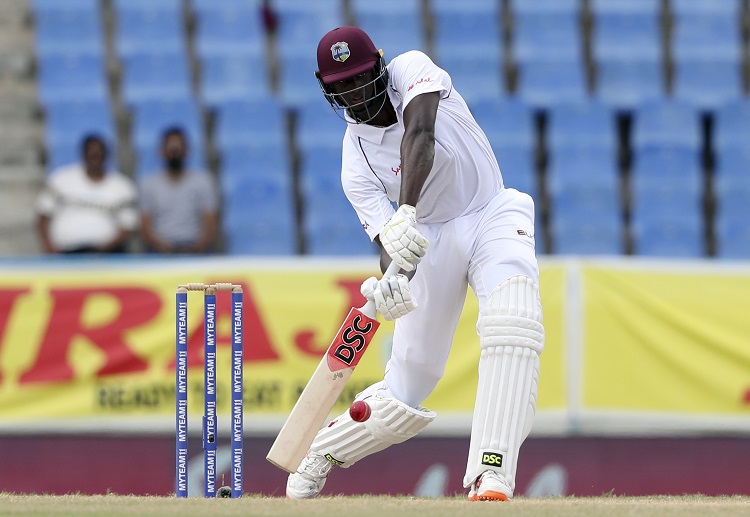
[[672, 341], [87, 342], [98, 341]]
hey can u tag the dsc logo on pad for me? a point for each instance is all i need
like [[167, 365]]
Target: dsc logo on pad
[[492, 459]]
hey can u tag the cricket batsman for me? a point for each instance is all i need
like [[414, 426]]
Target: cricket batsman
[[411, 139]]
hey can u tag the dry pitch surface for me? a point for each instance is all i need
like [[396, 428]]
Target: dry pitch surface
[[374, 506]]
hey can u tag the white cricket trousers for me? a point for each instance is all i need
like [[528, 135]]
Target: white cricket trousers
[[482, 249]]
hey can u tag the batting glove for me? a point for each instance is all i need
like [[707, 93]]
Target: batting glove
[[401, 239], [391, 296]]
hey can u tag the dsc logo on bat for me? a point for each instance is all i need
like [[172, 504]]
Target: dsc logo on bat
[[351, 341]]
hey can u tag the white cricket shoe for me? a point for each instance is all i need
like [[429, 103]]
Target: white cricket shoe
[[310, 477], [490, 486]]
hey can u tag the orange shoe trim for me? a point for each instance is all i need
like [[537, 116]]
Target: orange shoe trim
[[491, 495]]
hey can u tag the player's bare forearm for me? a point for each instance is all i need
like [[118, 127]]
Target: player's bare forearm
[[417, 146]]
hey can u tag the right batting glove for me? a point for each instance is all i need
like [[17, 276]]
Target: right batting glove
[[391, 296], [401, 239]]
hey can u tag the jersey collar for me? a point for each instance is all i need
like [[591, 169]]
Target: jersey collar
[[370, 133]]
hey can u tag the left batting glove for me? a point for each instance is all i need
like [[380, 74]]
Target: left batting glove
[[401, 239], [391, 296]]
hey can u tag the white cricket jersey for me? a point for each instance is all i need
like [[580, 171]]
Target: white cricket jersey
[[465, 175]]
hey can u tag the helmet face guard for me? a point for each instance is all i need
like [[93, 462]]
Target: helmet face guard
[[371, 105]]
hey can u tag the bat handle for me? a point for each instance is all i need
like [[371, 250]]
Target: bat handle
[[368, 309]]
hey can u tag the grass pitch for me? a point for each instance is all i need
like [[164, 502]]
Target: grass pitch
[[374, 506]]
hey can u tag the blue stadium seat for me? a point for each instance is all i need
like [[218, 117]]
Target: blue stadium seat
[[621, 37], [548, 36], [535, 7], [584, 192], [155, 76], [302, 24], [625, 7], [667, 122], [475, 76], [163, 6], [707, 84], [592, 165], [584, 124], [258, 216], [330, 224], [544, 83], [151, 118], [297, 82], [335, 234], [706, 35], [255, 161], [655, 161], [508, 121], [732, 124], [394, 25], [66, 123], [73, 27], [460, 33], [260, 122], [658, 200], [440, 7], [733, 162], [228, 28], [233, 77], [317, 7], [588, 236], [517, 165], [64, 78], [681, 238], [626, 84], [666, 185], [733, 238], [394, 33], [141, 29], [698, 7], [389, 7], [732, 192], [318, 125], [203, 6]]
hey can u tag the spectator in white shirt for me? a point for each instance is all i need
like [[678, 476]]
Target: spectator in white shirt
[[84, 208]]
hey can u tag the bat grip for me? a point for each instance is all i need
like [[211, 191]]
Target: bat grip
[[368, 309]]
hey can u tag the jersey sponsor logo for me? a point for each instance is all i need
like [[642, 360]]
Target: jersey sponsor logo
[[492, 459], [422, 80], [526, 233], [340, 51], [396, 170]]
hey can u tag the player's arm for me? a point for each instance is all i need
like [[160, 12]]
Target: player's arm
[[400, 237], [417, 146]]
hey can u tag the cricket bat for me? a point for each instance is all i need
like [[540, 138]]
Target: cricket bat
[[326, 384]]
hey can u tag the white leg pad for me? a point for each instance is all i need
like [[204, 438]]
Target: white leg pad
[[344, 441], [511, 337]]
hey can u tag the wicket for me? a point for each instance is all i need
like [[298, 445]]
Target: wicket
[[210, 435]]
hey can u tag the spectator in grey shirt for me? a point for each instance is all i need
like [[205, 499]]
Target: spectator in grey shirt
[[179, 208]]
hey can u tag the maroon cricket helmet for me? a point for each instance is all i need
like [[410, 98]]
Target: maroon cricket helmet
[[345, 52]]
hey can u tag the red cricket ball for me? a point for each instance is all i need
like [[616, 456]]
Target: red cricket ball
[[360, 411]]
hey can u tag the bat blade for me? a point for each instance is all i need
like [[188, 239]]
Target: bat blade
[[323, 389]]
